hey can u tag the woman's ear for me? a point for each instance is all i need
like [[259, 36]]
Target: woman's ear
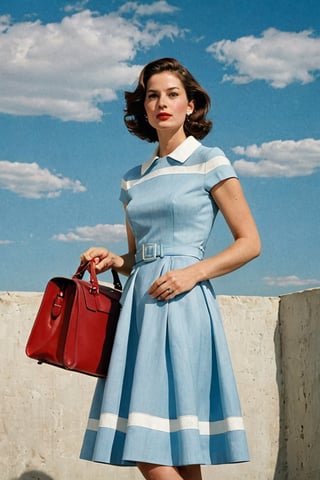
[[190, 108]]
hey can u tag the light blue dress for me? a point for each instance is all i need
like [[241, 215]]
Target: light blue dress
[[170, 397]]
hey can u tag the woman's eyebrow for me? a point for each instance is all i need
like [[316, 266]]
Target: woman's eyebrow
[[170, 88]]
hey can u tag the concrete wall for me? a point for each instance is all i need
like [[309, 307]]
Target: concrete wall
[[300, 406], [44, 409]]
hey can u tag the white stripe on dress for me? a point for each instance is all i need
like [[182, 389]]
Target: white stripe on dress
[[201, 168], [185, 422]]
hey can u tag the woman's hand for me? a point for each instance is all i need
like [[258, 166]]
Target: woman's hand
[[173, 283], [103, 258]]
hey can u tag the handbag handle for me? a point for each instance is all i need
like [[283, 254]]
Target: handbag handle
[[90, 267]]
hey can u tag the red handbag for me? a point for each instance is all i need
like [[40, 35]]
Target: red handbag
[[76, 322]]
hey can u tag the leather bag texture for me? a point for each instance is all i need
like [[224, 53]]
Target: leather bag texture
[[75, 326]]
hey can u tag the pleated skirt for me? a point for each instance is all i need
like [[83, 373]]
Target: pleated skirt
[[170, 396]]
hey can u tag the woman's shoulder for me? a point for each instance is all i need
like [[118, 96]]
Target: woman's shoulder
[[207, 153], [133, 173], [213, 162]]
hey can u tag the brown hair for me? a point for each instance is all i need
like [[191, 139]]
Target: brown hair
[[135, 119]]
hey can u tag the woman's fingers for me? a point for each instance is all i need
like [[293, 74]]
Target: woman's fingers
[[94, 252], [98, 255], [172, 283], [103, 258], [164, 288]]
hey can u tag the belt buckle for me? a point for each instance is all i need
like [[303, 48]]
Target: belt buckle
[[149, 252]]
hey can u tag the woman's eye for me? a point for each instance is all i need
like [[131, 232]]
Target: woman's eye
[[173, 94]]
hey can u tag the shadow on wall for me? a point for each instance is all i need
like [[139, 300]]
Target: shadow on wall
[[34, 475], [281, 471]]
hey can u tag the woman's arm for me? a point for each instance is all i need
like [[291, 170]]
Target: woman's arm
[[231, 201], [128, 258], [105, 259], [229, 197]]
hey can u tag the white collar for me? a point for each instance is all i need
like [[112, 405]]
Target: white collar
[[180, 154]]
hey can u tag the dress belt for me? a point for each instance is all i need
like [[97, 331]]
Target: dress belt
[[151, 251]]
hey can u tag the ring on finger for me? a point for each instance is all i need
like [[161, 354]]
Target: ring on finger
[[169, 290]]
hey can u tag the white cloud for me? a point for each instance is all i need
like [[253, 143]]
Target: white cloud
[[291, 280], [279, 58], [98, 233], [280, 158], [69, 69], [146, 10], [6, 242], [5, 21], [76, 6], [28, 180]]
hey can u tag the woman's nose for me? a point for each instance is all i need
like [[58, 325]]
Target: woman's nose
[[162, 101]]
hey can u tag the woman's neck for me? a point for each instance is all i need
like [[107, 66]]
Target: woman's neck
[[168, 144]]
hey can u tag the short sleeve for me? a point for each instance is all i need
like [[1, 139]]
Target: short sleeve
[[123, 197], [218, 168], [129, 180]]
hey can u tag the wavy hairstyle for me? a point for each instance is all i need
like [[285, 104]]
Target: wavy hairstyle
[[196, 124]]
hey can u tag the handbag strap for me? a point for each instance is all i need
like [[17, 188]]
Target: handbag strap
[[90, 267]]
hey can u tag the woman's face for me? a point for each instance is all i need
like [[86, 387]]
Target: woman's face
[[166, 103]]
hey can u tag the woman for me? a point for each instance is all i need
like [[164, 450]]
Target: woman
[[170, 403]]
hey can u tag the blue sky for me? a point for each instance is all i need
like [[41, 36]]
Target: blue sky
[[64, 148]]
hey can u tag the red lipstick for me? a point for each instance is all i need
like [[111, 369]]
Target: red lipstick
[[163, 116]]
